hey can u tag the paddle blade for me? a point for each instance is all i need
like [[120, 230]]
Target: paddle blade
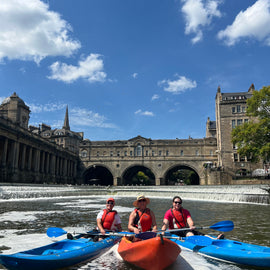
[[223, 226], [145, 235], [55, 232]]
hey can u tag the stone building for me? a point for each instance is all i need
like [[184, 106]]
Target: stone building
[[41, 154], [213, 159], [231, 112], [26, 156], [64, 137]]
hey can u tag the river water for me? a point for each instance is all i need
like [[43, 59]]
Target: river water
[[27, 211]]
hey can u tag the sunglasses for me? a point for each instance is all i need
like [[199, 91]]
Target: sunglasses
[[178, 202], [142, 200], [110, 202]]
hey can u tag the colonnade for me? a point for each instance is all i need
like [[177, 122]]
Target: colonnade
[[26, 160]]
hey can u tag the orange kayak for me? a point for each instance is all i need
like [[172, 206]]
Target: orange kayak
[[152, 254]]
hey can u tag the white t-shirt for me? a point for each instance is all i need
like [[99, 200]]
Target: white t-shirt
[[116, 221]]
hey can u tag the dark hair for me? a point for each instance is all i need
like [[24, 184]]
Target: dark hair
[[176, 197]]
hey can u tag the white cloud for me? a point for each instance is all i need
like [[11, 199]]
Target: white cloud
[[29, 31], [83, 117], [198, 14], [180, 85], [90, 68], [146, 113], [49, 107], [254, 22], [135, 75], [1, 99], [154, 97]]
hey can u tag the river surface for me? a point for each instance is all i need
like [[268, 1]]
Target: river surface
[[24, 219]]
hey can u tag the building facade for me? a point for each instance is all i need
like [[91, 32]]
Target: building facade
[[41, 154], [26, 156]]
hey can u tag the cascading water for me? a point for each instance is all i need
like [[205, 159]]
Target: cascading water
[[257, 194]]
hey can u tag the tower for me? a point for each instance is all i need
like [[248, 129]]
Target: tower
[[66, 121]]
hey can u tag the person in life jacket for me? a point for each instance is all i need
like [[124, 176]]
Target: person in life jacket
[[142, 219], [177, 218], [108, 219]]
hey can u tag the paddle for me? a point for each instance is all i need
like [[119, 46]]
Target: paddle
[[223, 226], [56, 232]]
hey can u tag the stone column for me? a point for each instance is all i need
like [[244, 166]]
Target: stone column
[[23, 157], [30, 159], [42, 161], [15, 155], [4, 154], [47, 163]]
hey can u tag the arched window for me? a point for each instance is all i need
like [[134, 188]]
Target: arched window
[[138, 150]]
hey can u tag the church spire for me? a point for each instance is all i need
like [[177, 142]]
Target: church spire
[[66, 122]]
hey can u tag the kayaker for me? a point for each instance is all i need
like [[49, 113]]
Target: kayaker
[[177, 217], [142, 219], [108, 219]]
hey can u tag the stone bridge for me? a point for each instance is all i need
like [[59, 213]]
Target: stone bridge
[[116, 162]]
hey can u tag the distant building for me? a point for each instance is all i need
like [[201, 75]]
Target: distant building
[[14, 109], [30, 155], [64, 137], [36, 154]]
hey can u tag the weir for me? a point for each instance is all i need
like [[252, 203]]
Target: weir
[[257, 194]]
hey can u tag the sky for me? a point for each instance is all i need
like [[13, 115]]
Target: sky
[[131, 67]]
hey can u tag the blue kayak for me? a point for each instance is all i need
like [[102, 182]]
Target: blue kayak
[[227, 250], [57, 255]]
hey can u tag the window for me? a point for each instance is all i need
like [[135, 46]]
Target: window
[[182, 153], [233, 109], [97, 153], [239, 122], [233, 123], [238, 108], [131, 153], [138, 150], [111, 153], [197, 152], [84, 153], [246, 120], [159, 152], [153, 153], [125, 153], [235, 157], [167, 153], [242, 158], [211, 153], [243, 109], [146, 152], [118, 153]]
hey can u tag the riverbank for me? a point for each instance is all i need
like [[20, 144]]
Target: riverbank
[[257, 194]]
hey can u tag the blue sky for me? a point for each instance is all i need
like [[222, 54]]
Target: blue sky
[[131, 67]]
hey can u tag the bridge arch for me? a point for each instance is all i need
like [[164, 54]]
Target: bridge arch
[[178, 174], [98, 175], [138, 174]]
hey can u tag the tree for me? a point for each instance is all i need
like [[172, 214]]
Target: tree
[[253, 138]]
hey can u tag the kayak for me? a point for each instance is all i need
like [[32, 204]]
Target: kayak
[[227, 250], [59, 254], [152, 254]]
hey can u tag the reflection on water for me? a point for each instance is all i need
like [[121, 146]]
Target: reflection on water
[[23, 223]]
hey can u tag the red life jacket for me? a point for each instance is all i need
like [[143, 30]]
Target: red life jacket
[[143, 220], [180, 220], [108, 218]]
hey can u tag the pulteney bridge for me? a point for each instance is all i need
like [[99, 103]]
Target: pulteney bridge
[[116, 162]]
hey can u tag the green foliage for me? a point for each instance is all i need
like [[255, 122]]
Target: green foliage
[[141, 179], [187, 176], [253, 138]]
